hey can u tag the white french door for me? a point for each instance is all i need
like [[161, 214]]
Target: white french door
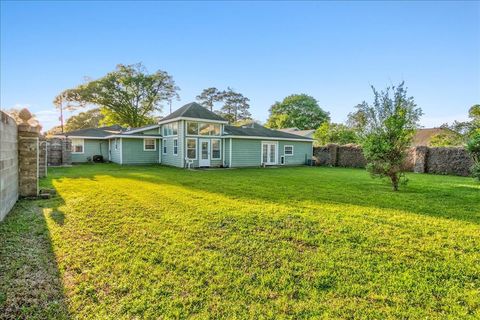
[[269, 153], [204, 160]]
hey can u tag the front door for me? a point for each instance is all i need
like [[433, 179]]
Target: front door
[[204, 160], [269, 153]]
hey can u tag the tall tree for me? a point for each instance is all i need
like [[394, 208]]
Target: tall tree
[[235, 106], [391, 121], [209, 96], [129, 93], [297, 111], [334, 133], [88, 119]]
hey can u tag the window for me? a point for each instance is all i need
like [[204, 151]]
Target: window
[[164, 146], [288, 150], [203, 129], [170, 129], [175, 147], [192, 149], [77, 145], [116, 144], [215, 149], [192, 128], [149, 145]]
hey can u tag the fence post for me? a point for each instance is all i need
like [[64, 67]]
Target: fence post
[[28, 156]]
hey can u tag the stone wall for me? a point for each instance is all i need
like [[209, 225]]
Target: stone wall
[[441, 160], [8, 164]]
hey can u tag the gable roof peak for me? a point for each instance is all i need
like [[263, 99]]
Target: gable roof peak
[[193, 110]]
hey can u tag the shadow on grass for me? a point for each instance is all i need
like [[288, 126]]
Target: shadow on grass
[[447, 197], [30, 282]]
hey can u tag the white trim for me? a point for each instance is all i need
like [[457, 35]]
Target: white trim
[[131, 136], [196, 148], [121, 151], [154, 144], [211, 149], [223, 152], [153, 126], [83, 146], [269, 138], [230, 156], [173, 147], [192, 119], [204, 162], [164, 147], [276, 153], [293, 150], [82, 137]]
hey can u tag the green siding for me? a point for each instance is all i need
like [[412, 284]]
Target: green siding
[[170, 159], [115, 153], [151, 131], [246, 152], [91, 148], [301, 152], [133, 153]]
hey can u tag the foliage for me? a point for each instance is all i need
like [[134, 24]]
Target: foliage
[[473, 147], [334, 133], [88, 119], [235, 106], [209, 96], [447, 139], [388, 131], [464, 130], [241, 244], [53, 131], [297, 111], [14, 113], [129, 94], [357, 120]]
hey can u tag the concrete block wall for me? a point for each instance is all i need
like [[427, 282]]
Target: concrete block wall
[[8, 164]]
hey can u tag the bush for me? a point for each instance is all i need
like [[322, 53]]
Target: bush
[[473, 147]]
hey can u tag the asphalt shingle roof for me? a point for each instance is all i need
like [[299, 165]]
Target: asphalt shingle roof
[[95, 132], [193, 110], [256, 130]]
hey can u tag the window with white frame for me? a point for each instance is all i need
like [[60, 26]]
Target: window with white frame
[[203, 129], [77, 145], [288, 150], [170, 129], [215, 149], [164, 146], [175, 147], [149, 145], [192, 149]]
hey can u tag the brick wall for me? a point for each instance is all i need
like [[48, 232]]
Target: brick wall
[[441, 160], [8, 164]]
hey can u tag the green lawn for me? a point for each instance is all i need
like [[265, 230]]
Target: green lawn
[[157, 242]]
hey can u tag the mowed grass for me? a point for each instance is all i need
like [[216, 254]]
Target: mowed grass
[[157, 242]]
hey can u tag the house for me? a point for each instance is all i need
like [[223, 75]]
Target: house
[[423, 137], [192, 136], [303, 133]]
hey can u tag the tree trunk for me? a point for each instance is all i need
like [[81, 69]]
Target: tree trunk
[[394, 179]]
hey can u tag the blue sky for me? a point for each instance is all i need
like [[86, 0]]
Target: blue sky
[[333, 51]]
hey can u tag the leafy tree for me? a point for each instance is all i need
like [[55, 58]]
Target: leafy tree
[[235, 107], [297, 111], [334, 133], [357, 120], [390, 124], [88, 119], [473, 147], [129, 94], [448, 138], [209, 96]]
